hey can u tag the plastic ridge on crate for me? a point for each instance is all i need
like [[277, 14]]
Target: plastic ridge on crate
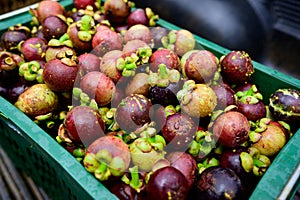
[[63, 177]]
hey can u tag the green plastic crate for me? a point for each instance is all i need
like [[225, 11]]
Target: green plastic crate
[[63, 177]]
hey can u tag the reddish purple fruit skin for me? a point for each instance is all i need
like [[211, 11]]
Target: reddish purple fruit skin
[[253, 112], [84, 125], [99, 87], [53, 27], [231, 129], [82, 4], [106, 40], [79, 45], [237, 68], [225, 96], [88, 62], [138, 16], [216, 182], [34, 49], [167, 183], [179, 131], [186, 164], [164, 56], [58, 76], [133, 112]]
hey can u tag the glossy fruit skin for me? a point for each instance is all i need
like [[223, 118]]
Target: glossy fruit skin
[[58, 76], [133, 112], [98, 86], [82, 4], [237, 67], [253, 112], [225, 95], [53, 27], [186, 164], [108, 64], [84, 125], [138, 16], [34, 48], [11, 38], [164, 56], [284, 104], [79, 45], [123, 191], [167, 183], [219, 183], [231, 129], [48, 8], [165, 95], [116, 11], [178, 130]]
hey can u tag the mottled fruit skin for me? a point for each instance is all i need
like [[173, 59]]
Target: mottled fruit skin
[[98, 86], [237, 68], [133, 112], [178, 130], [201, 102], [272, 140], [138, 32], [87, 62], [10, 39], [106, 40], [167, 183], [34, 49], [231, 128], [219, 183], [84, 125], [58, 76], [138, 16], [284, 104], [164, 56], [199, 65], [37, 100]]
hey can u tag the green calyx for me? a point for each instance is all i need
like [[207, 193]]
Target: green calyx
[[208, 162], [185, 94], [163, 77], [31, 71], [202, 144], [127, 65], [64, 40], [251, 96], [135, 181], [86, 27]]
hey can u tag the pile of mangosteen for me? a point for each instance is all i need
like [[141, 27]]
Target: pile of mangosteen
[[145, 109]]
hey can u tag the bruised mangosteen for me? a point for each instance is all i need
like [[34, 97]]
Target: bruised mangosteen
[[231, 128], [133, 112], [179, 131], [106, 40], [37, 100], [116, 11], [197, 100]]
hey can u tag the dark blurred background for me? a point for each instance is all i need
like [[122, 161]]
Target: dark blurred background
[[269, 30]]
